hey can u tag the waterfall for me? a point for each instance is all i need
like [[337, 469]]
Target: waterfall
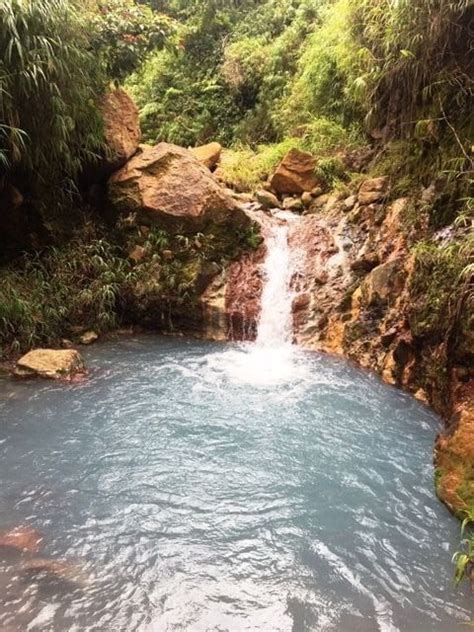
[[275, 324], [271, 359]]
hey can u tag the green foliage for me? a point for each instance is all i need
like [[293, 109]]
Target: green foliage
[[464, 558], [244, 169], [441, 289], [234, 64], [91, 283], [181, 102], [123, 32], [55, 291], [49, 125]]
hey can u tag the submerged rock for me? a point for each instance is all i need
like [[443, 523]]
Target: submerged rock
[[121, 128], [23, 539], [50, 363], [208, 155], [167, 186], [67, 572], [295, 173]]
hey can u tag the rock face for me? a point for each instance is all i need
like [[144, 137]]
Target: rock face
[[295, 173], [454, 454], [167, 186], [50, 363], [208, 155]]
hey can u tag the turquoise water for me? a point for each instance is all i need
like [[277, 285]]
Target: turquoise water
[[203, 487]]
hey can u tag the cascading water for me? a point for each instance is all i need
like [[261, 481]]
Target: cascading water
[[271, 358], [275, 326]]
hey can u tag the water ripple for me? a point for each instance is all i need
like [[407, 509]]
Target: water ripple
[[208, 489]]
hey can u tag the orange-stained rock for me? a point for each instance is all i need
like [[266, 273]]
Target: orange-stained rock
[[454, 455], [167, 186], [373, 190], [295, 173], [24, 539], [50, 363], [121, 127], [208, 155]]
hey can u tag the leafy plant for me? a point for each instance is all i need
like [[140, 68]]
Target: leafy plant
[[123, 32], [49, 80]]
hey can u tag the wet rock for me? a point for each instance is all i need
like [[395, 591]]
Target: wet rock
[[244, 198], [63, 571], [365, 263], [293, 204], [349, 203], [383, 282], [307, 198], [121, 128], [23, 539], [88, 337], [167, 186], [373, 190], [295, 173], [388, 337], [50, 363], [267, 199], [208, 155]]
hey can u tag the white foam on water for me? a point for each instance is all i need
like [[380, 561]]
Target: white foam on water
[[272, 358]]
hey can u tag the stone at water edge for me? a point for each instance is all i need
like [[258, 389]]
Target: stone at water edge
[[121, 128], [208, 155], [50, 363], [267, 199], [293, 204], [295, 173], [88, 337], [167, 186], [307, 198]]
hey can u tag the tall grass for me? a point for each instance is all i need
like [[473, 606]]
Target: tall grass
[[49, 125]]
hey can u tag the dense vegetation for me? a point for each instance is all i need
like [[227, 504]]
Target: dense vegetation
[[259, 75]]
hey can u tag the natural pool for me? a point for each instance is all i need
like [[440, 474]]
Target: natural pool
[[204, 487]]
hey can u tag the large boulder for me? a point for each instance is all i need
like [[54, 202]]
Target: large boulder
[[167, 186], [208, 155], [50, 363], [295, 173], [121, 128]]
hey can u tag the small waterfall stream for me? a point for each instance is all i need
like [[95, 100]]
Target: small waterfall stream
[[275, 324]]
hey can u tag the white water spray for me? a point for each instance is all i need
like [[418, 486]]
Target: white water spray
[[275, 327], [271, 359]]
